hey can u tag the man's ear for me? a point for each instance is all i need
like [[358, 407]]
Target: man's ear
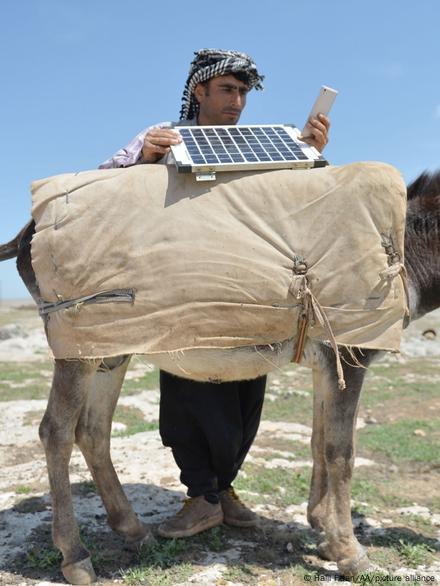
[[199, 92]]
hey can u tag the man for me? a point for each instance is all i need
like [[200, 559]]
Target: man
[[210, 427]]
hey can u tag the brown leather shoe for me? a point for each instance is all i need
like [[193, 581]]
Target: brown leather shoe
[[196, 515], [235, 512]]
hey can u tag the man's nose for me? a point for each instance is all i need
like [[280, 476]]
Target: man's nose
[[238, 100]]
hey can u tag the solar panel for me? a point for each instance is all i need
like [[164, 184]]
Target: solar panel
[[207, 149]]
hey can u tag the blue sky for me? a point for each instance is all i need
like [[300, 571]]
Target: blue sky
[[81, 77]]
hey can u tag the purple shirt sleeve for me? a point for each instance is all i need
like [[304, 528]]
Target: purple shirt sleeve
[[127, 156], [130, 154]]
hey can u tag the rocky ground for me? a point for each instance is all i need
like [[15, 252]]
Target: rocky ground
[[396, 496]]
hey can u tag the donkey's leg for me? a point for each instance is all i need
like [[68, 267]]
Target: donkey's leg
[[93, 437], [70, 384], [317, 505], [339, 409]]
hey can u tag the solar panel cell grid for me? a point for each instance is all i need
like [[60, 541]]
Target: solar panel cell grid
[[244, 145]]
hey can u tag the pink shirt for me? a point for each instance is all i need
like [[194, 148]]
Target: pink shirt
[[130, 154]]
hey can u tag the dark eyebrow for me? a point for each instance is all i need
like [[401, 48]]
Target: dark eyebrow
[[233, 86]]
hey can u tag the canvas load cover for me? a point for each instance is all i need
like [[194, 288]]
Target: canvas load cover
[[215, 264]]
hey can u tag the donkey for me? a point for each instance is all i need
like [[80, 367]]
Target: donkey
[[84, 394]]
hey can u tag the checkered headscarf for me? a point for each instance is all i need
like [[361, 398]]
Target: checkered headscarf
[[209, 63]]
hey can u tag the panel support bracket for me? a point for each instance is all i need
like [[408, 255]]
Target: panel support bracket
[[206, 176]]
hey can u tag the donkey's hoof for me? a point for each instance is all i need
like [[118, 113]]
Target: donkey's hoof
[[137, 544], [350, 567], [81, 572]]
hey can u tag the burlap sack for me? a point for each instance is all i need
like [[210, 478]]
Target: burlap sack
[[212, 264]]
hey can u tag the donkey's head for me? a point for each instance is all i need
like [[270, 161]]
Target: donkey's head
[[422, 243]]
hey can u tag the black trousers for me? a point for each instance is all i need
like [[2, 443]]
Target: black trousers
[[210, 428]]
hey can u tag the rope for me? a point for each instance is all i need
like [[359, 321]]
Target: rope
[[394, 270], [113, 295], [314, 311]]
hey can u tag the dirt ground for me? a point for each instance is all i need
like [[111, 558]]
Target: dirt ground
[[396, 495]]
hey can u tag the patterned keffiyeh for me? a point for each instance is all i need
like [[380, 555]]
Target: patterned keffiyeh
[[209, 63]]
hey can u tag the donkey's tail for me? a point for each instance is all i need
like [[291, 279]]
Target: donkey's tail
[[10, 249]]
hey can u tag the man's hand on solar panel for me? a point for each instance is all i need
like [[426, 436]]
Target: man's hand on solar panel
[[157, 143], [316, 131]]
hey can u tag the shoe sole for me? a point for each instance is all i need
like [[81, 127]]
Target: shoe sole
[[238, 523], [202, 526]]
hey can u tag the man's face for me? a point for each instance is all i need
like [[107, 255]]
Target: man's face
[[221, 100]]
